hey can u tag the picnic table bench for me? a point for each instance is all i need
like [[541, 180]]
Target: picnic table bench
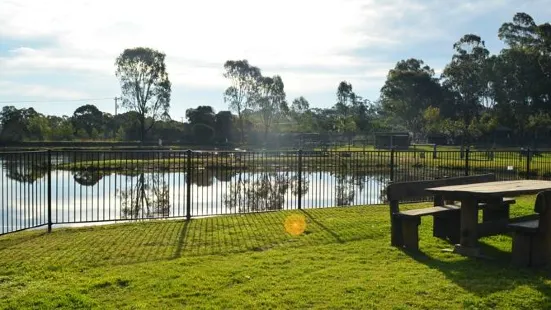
[[532, 236], [446, 214], [471, 195]]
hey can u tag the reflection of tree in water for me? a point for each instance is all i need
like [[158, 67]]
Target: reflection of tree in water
[[87, 177], [345, 191], [202, 177], [263, 193], [205, 177], [148, 198], [224, 175], [25, 171], [382, 193]]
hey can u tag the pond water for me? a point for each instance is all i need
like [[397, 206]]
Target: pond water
[[86, 196], [97, 196]]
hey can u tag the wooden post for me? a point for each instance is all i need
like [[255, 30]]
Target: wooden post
[[469, 221], [396, 238]]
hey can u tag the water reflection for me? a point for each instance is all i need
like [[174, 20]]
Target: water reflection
[[266, 192], [148, 198], [92, 195], [345, 189], [87, 177], [24, 171]]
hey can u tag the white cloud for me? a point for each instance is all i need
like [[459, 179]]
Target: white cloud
[[8, 88], [197, 36], [312, 44]]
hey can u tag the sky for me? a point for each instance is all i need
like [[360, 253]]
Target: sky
[[57, 55]]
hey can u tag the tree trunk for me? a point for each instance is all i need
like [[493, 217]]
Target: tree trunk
[[142, 129], [241, 129], [266, 129]]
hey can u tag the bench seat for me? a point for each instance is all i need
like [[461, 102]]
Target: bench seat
[[525, 226], [532, 235], [446, 215]]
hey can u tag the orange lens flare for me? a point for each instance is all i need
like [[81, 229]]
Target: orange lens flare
[[295, 224]]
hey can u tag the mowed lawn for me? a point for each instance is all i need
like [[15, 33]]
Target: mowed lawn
[[343, 260]]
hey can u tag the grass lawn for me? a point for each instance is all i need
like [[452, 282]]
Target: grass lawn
[[342, 260]]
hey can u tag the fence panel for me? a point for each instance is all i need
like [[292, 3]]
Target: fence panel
[[114, 185], [23, 186]]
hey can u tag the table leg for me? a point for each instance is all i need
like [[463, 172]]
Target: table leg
[[468, 235], [495, 210]]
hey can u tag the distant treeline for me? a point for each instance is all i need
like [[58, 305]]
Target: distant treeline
[[502, 99]]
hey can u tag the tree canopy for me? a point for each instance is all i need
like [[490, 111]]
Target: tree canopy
[[145, 85], [477, 95]]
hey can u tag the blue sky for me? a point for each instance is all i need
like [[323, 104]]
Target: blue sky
[[55, 51]]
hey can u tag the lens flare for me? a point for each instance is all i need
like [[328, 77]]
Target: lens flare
[[295, 224]]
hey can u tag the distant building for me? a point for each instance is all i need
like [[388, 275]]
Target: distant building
[[437, 138], [387, 140]]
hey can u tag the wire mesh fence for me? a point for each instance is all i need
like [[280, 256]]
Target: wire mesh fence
[[74, 187]]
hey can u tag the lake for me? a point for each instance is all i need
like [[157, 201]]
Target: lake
[[156, 190], [96, 196]]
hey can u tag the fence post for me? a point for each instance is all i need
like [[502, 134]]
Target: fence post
[[49, 191], [391, 163], [299, 179], [467, 151], [188, 185], [528, 163]]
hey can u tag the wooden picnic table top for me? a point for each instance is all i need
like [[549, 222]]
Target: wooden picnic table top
[[492, 189]]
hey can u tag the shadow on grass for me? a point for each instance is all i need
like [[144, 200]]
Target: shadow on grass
[[19, 238], [484, 276], [123, 244], [312, 217], [263, 231], [181, 240]]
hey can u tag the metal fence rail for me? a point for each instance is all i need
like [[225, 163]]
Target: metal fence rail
[[24, 191], [74, 187]]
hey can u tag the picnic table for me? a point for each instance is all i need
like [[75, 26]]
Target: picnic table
[[489, 192]]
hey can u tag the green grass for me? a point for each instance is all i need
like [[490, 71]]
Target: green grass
[[342, 261]]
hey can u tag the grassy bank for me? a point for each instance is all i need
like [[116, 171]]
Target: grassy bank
[[343, 260], [370, 161]]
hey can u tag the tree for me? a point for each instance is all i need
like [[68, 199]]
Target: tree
[[410, 88], [522, 74], [145, 85], [270, 102], [345, 97], [432, 122], [88, 117], [521, 33], [39, 128], [15, 123], [202, 122], [62, 128], [224, 126], [464, 77], [300, 106], [347, 126], [537, 123], [243, 78], [301, 115]]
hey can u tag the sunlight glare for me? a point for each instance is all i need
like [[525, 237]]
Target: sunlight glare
[[295, 224]]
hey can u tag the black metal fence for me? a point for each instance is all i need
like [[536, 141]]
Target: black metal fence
[[74, 187]]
